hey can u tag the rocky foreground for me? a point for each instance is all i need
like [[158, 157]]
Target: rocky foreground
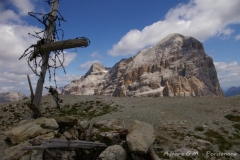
[[123, 128]]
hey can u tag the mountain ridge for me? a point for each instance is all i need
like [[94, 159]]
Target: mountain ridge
[[175, 66]]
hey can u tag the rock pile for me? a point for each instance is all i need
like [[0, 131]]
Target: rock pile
[[69, 138]]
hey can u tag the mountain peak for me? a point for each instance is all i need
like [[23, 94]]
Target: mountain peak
[[96, 68], [175, 66]]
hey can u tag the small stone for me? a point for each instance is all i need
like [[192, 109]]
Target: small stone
[[67, 134]]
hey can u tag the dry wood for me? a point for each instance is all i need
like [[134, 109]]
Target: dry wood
[[35, 110], [89, 131], [153, 154], [63, 143], [50, 153], [45, 56], [30, 85], [59, 45]]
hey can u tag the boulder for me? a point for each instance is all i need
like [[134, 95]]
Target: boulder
[[30, 129], [115, 152], [15, 152], [48, 123], [140, 137], [67, 121]]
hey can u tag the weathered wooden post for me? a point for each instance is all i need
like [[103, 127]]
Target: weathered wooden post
[[44, 49], [45, 56]]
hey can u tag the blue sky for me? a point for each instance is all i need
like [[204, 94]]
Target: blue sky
[[119, 29]]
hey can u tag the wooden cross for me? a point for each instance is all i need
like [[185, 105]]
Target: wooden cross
[[49, 46]]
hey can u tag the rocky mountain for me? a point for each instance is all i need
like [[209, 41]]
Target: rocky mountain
[[232, 91], [11, 96], [87, 83], [176, 66]]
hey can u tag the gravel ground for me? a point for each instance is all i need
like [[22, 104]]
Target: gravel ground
[[171, 117]]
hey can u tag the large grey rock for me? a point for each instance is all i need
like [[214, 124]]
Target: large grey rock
[[115, 152], [15, 152], [48, 123], [176, 66], [140, 137], [67, 120], [30, 129]]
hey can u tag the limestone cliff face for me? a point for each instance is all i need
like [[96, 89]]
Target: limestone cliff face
[[11, 96], [176, 66], [87, 83]]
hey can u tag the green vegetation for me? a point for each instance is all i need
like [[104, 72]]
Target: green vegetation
[[195, 136], [224, 131], [178, 135], [216, 138], [233, 118], [88, 109], [236, 136], [102, 128], [236, 126], [199, 128]]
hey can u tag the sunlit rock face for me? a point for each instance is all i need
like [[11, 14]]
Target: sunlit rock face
[[87, 83], [176, 66], [11, 96]]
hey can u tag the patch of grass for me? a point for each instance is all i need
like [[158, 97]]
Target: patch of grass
[[12, 110], [233, 118], [161, 140], [199, 128], [195, 136], [178, 135], [236, 126], [102, 128], [236, 136], [224, 131], [5, 110], [217, 138], [98, 102]]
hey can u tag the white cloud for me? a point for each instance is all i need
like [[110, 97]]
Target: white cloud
[[88, 64], [13, 42], [23, 6], [68, 58], [95, 54], [237, 37], [228, 73], [201, 19]]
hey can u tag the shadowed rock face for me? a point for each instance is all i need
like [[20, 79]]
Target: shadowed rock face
[[176, 66]]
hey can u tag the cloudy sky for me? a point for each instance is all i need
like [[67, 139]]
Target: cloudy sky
[[118, 29]]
